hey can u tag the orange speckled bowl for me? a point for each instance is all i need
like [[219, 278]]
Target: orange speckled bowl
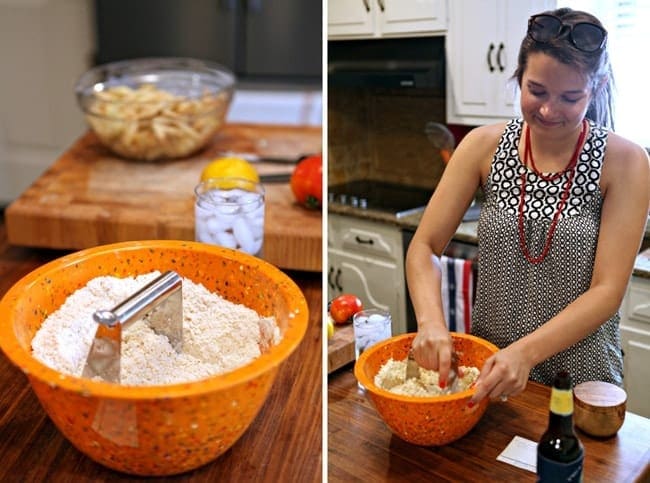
[[153, 430], [425, 421]]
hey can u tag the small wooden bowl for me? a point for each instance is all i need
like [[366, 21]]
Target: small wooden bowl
[[599, 408]]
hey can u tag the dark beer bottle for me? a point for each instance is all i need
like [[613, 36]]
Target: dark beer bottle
[[560, 454]]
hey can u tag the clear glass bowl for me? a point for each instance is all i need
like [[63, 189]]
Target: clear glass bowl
[[156, 108]]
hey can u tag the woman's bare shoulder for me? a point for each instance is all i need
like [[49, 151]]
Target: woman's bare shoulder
[[625, 156], [487, 132], [626, 167], [479, 145]]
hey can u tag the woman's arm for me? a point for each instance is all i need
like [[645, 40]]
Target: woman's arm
[[462, 177], [625, 184]]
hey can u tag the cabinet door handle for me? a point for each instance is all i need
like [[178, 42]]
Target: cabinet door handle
[[337, 282], [329, 278], [502, 67], [382, 7], [366, 3], [362, 241], [489, 57]]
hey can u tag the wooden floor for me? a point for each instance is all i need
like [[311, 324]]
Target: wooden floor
[[284, 443]]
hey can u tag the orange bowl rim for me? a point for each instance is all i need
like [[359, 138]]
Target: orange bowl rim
[[23, 359], [369, 383]]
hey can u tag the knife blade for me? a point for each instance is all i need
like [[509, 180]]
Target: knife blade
[[275, 178], [258, 158]]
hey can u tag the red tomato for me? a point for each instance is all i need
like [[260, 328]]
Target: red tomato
[[343, 307], [307, 181]]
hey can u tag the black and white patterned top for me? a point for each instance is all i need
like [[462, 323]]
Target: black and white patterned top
[[513, 296]]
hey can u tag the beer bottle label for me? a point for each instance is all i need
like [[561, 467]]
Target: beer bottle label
[[562, 402], [554, 471]]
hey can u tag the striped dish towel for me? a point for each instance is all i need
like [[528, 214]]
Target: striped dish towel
[[457, 286]]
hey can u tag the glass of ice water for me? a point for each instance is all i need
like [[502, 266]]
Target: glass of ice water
[[229, 212], [370, 326]]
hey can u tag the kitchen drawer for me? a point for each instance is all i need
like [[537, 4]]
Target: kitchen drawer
[[366, 258], [354, 235], [379, 283], [371, 242]]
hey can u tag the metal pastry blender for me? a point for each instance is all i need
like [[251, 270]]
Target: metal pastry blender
[[161, 301]]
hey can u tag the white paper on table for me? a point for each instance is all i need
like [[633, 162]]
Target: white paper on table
[[520, 452]]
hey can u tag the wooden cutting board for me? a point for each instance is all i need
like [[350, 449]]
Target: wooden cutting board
[[90, 197], [340, 347]]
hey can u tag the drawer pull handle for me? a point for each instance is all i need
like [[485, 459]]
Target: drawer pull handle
[[337, 280], [489, 57], [502, 66], [362, 241], [366, 3], [329, 278]]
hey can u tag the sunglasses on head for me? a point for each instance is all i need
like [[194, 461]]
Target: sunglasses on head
[[585, 36]]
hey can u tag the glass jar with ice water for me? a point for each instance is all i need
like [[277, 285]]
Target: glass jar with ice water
[[229, 212], [370, 326]]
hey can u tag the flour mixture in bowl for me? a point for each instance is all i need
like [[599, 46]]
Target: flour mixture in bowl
[[392, 377], [218, 336]]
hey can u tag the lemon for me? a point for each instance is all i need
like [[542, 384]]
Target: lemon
[[230, 167], [330, 327]]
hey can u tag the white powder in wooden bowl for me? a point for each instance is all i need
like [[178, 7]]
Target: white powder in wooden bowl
[[218, 336], [392, 377]]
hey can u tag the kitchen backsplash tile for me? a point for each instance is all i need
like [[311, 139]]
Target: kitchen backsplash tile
[[380, 134]]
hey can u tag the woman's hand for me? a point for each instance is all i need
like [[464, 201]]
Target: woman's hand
[[503, 374], [432, 348]]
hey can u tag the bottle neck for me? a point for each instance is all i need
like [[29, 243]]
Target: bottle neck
[[561, 423], [561, 410]]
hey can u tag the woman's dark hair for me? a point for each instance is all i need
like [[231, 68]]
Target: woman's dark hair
[[595, 65]]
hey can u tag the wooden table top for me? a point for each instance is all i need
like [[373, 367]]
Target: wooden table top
[[362, 448], [284, 442]]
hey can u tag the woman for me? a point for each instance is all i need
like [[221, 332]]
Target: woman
[[566, 202]]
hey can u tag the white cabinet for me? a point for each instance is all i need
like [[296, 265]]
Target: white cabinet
[[635, 337], [349, 19], [482, 45], [367, 259]]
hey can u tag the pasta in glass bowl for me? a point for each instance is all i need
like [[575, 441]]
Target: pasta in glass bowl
[[156, 108]]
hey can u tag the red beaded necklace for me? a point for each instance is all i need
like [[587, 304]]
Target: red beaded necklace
[[528, 153]]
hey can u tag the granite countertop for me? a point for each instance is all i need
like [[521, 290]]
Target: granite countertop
[[467, 231]]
